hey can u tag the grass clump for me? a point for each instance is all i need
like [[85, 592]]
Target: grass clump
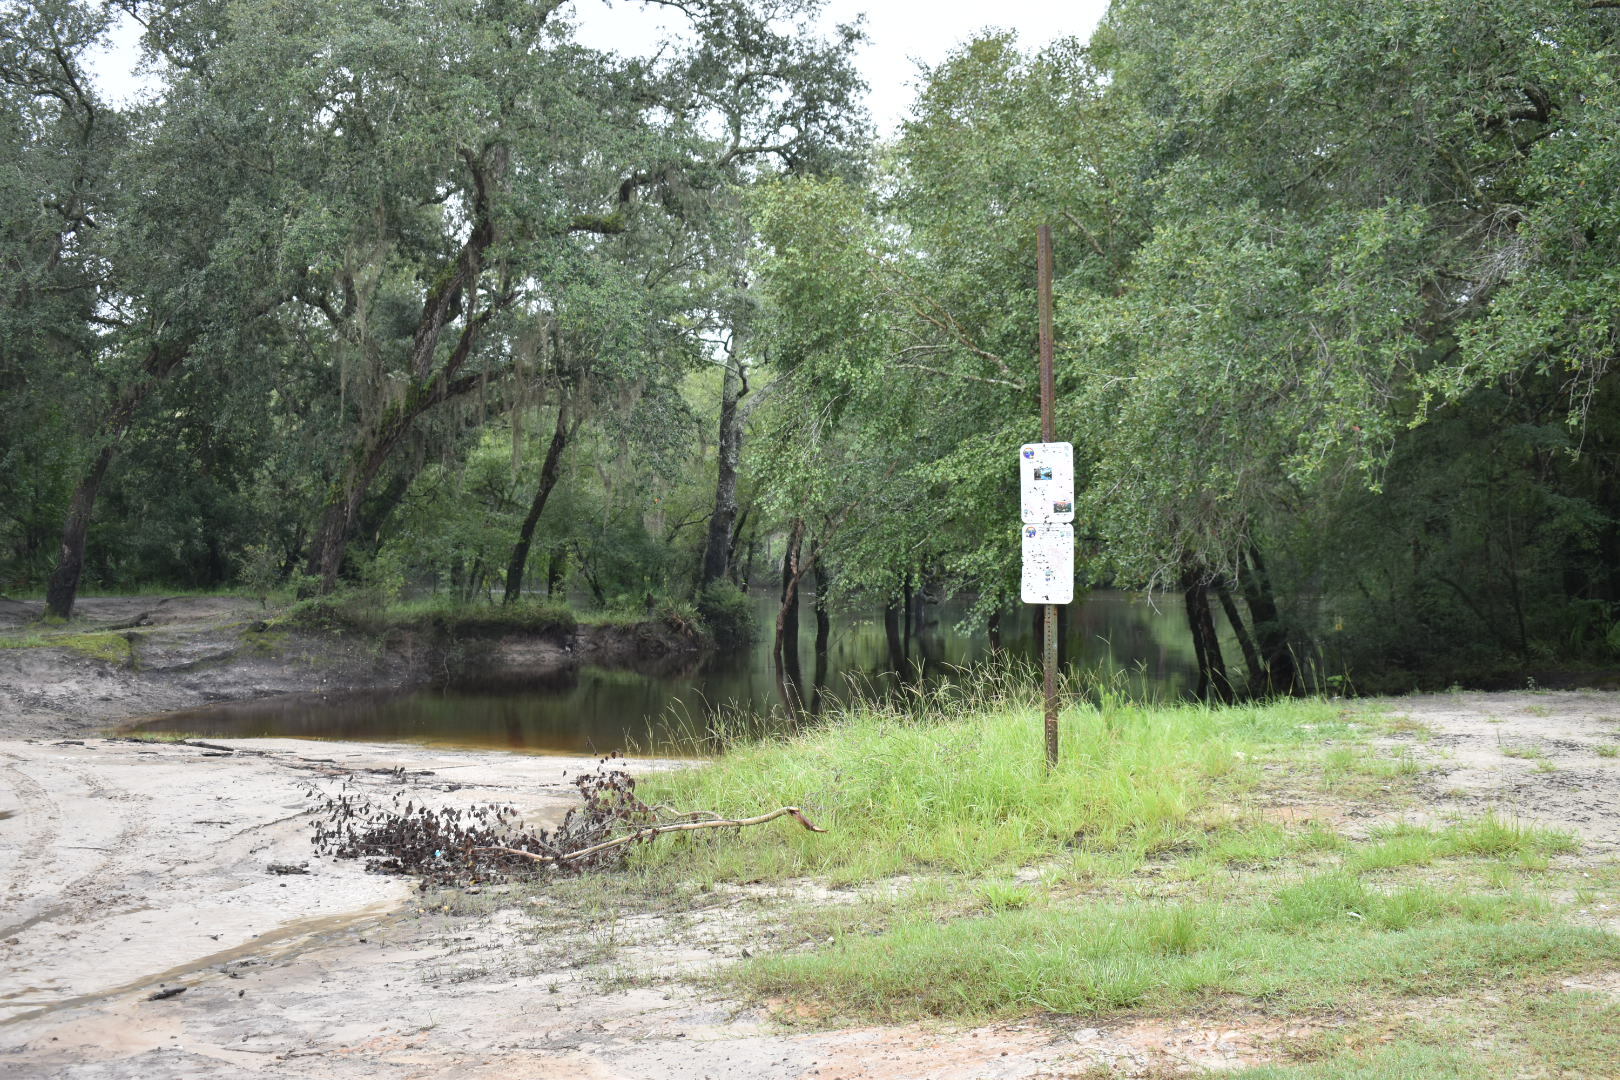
[[1321, 940], [30, 640], [1489, 837], [902, 792]]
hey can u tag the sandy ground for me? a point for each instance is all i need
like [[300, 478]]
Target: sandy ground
[[127, 869], [1530, 755]]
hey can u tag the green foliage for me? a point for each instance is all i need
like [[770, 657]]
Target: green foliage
[[366, 612], [727, 614]]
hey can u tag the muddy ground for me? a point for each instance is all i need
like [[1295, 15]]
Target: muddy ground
[[128, 870]]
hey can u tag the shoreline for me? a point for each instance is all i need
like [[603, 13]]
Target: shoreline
[[101, 674]]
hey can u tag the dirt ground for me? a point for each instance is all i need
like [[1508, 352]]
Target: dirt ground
[[187, 651], [127, 869]]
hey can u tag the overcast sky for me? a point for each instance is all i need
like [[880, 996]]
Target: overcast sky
[[900, 32]]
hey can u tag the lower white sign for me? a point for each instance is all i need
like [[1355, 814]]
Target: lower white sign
[[1048, 564]]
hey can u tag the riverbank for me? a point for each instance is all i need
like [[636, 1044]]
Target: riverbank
[[123, 658], [1423, 887]]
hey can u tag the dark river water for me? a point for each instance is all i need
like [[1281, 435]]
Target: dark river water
[[591, 710]]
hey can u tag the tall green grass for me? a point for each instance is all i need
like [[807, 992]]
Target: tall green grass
[[962, 786]]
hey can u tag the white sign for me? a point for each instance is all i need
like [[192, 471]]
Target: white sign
[[1046, 481], [1048, 564]]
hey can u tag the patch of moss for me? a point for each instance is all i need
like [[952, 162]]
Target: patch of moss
[[108, 646]]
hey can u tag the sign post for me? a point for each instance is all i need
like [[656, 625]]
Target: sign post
[[1048, 496]]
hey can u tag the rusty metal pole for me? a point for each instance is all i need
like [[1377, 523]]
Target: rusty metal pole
[[1043, 259]]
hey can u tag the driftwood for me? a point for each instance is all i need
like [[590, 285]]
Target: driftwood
[[647, 832]]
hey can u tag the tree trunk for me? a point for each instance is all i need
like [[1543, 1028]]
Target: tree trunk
[[555, 563], [1212, 680], [717, 549], [891, 634], [590, 578], [905, 609], [788, 677], [818, 683], [63, 587], [1271, 636], [429, 382], [331, 541], [1251, 657], [549, 471], [823, 619], [734, 568], [993, 628], [787, 617]]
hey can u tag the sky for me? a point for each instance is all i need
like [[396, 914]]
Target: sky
[[901, 33]]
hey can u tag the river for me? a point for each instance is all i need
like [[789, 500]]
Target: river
[[1137, 643]]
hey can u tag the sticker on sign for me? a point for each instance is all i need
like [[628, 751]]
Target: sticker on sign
[[1046, 482], [1048, 564]]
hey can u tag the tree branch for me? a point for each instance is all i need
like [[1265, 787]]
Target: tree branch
[[962, 375], [650, 831]]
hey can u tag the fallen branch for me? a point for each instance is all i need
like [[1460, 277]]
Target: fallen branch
[[143, 619], [650, 831], [462, 845]]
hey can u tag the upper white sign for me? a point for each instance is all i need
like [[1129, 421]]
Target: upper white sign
[[1046, 480]]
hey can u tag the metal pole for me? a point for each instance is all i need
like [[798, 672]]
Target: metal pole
[[1043, 259]]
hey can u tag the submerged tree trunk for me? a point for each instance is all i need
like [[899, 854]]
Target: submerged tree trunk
[[891, 634], [717, 550], [818, 682], [788, 677], [1251, 657], [518, 564], [823, 618], [1212, 680], [905, 610], [1271, 636]]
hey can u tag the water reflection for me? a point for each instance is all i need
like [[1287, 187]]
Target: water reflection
[[676, 706]]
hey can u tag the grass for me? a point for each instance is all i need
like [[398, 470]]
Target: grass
[[903, 791], [110, 646], [157, 736], [1313, 945], [1144, 875], [31, 639]]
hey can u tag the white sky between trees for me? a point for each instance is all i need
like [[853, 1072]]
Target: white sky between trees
[[901, 34]]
